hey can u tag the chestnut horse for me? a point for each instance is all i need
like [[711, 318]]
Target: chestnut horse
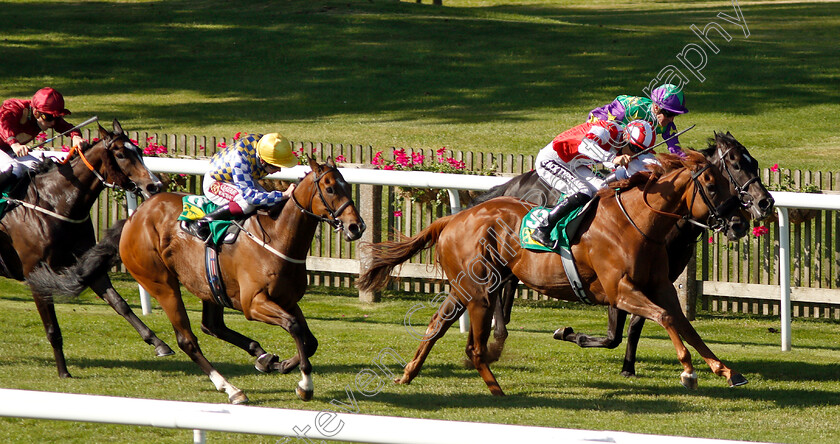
[[729, 155], [620, 256], [51, 224], [264, 275]]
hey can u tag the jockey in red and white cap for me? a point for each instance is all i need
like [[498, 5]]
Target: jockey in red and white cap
[[21, 121], [570, 163]]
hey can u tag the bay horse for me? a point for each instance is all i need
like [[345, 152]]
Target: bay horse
[[621, 259], [729, 155], [51, 224], [264, 275]]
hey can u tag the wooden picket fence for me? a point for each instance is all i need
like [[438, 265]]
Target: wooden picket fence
[[730, 277]]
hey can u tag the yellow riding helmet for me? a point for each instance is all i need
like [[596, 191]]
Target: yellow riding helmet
[[276, 150]]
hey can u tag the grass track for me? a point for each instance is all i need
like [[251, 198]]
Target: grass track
[[792, 397]]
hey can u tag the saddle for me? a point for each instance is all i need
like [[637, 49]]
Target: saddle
[[221, 232], [564, 232]]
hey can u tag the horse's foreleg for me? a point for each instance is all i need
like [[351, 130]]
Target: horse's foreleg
[[476, 349], [104, 289], [634, 301], [445, 316], [634, 332], [615, 325], [47, 311], [293, 321]]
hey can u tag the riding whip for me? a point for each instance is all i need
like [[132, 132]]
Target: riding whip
[[85, 123], [664, 141]]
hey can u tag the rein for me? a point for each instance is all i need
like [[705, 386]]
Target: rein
[[268, 247], [333, 221], [47, 212], [718, 222], [77, 150], [743, 195]]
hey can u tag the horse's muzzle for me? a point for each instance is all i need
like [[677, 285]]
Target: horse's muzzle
[[354, 230]]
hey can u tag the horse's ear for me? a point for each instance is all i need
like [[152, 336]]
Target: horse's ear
[[729, 134], [103, 133], [313, 164], [331, 162], [117, 127]]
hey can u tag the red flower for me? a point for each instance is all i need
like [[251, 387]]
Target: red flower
[[711, 239], [398, 213], [774, 168], [340, 158], [760, 231], [221, 145], [237, 136]]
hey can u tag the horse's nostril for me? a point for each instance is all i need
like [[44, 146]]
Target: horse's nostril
[[153, 188], [765, 203]]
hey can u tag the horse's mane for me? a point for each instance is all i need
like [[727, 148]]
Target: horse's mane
[[667, 163]]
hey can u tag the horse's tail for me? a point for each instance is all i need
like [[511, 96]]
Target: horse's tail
[[75, 278], [385, 256]]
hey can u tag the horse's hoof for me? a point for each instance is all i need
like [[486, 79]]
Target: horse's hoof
[[561, 333], [163, 350], [737, 379], [238, 398], [65, 375], [284, 367], [304, 395], [689, 380], [628, 374], [265, 363], [401, 381]]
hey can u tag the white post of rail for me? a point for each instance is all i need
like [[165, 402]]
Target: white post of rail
[[145, 297], [455, 205], [784, 275]]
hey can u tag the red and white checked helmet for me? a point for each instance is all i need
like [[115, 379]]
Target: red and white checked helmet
[[640, 134], [606, 134]]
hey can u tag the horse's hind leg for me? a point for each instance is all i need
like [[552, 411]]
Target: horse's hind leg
[[47, 311], [449, 311], [480, 317], [616, 319], [168, 295], [102, 286], [213, 324]]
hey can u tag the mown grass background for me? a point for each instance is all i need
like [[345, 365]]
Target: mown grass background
[[472, 76], [792, 397]]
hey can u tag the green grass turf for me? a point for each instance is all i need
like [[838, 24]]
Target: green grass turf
[[792, 396], [472, 75]]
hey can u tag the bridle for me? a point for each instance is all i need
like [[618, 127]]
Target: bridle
[[333, 213], [716, 222], [112, 185], [743, 196]]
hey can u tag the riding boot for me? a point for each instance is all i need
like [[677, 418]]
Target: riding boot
[[542, 234], [202, 226]]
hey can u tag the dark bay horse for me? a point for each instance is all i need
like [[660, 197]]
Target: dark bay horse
[[478, 249], [51, 224], [729, 155], [265, 275]]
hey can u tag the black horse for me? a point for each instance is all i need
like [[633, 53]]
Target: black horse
[[724, 151], [51, 223]]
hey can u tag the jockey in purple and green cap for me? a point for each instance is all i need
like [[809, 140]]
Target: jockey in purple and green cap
[[665, 103]]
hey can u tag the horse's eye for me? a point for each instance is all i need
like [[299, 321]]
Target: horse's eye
[[710, 187], [119, 155], [330, 190]]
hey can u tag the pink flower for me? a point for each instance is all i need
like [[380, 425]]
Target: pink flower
[[221, 145], [711, 239], [134, 141], [387, 167], [774, 168], [160, 149], [760, 231], [65, 148], [150, 138], [377, 159], [41, 137], [441, 152], [340, 158], [398, 213], [237, 136], [417, 158]]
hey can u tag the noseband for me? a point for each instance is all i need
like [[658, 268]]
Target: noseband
[[333, 213]]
